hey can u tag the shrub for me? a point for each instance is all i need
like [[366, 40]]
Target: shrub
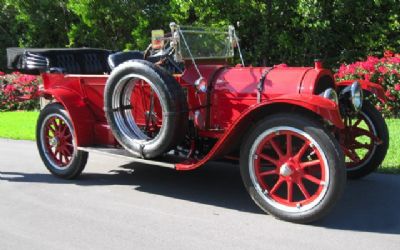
[[18, 92], [384, 71]]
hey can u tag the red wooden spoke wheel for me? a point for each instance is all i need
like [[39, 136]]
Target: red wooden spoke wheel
[[57, 138], [364, 141], [56, 143], [360, 141], [292, 168]]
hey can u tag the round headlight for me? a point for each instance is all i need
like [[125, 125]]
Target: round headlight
[[331, 95], [356, 96]]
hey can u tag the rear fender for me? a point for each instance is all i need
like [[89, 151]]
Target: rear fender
[[79, 112], [313, 104], [367, 86]]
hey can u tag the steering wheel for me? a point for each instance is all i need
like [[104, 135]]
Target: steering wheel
[[164, 57]]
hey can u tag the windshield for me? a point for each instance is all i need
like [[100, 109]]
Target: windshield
[[205, 43]]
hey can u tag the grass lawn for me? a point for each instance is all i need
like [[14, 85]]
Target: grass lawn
[[21, 126], [391, 164], [18, 125]]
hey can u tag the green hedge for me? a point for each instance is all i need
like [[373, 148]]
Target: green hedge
[[272, 31]]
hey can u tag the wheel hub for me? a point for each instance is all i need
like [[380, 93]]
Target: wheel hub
[[54, 142], [285, 170]]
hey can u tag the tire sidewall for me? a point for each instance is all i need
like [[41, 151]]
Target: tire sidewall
[[79, 158], [169, 93]]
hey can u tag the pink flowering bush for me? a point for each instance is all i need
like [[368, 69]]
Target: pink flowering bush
[[18, 92], [384, 71]]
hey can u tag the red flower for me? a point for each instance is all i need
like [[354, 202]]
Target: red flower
[[25, 79], [369, 65], [390, 96], [388, 53], [383, 70], [394, 60], [351, 69], [2, 73], [397, 87], [9, 88], [367, 77]]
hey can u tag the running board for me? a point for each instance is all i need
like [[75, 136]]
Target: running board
[[168, 161]]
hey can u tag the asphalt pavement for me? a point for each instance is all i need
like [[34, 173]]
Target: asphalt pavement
[[116, 204]]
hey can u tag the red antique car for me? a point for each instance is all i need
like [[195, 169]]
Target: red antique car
[[179, 104]]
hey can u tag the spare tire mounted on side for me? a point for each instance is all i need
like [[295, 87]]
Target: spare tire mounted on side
[[146, 108]]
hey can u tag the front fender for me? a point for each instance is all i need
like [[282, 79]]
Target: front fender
[[323, 107], [368, 86], [81, 116]]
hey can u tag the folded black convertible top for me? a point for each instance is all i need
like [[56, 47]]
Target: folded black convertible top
[[71, 60]]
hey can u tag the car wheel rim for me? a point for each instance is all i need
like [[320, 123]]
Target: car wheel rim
[[57, 141], [137, 108], [288, 169], [359, 141]]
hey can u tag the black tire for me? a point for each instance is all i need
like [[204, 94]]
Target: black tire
[[278, 203], [372, 160], [171, 97], [62, 139]]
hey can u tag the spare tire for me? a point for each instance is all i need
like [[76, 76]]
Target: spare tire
[[138, 93]]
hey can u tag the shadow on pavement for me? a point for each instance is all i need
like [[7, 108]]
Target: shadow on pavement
[[369, 205]]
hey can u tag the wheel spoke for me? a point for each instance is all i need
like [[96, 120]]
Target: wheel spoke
[[303, 189], [357, 122], [309, 163], [362, 132], [276, 186], [289, 191], [270, 159], [302, 150], [352, 155], [358, 145], [276, 148], [62, 151], [68, 151], [63, 129], [270, 172], [289, 148], [313, 179]]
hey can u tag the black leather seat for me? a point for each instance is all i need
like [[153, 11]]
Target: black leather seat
[[67, 61]]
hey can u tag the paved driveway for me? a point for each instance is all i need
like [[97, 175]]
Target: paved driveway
[[117, 205]]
